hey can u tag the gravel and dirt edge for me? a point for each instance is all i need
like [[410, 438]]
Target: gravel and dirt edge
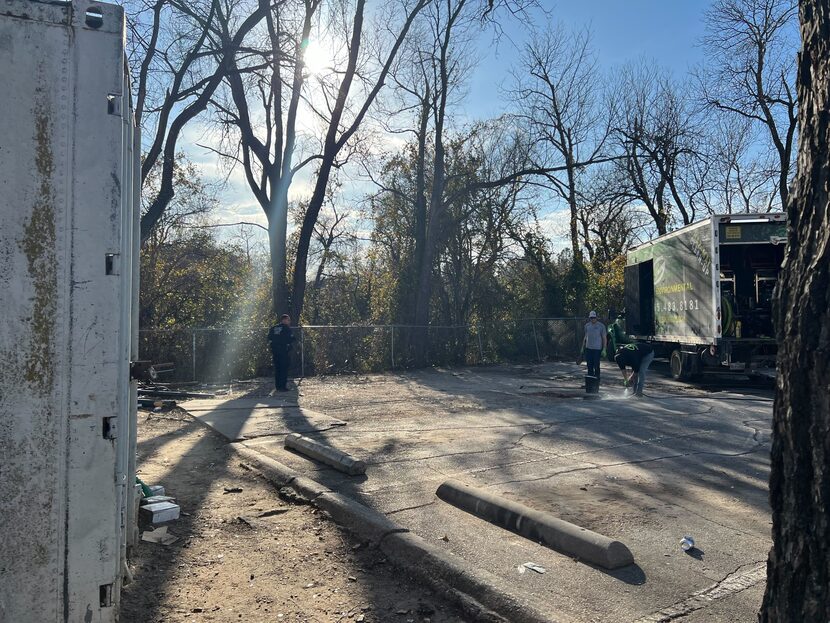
[[480, 595], [247, 551]]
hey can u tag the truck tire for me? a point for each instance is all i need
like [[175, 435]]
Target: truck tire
[[679, 366]]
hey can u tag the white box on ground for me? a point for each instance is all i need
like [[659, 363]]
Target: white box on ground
[[159, 513]]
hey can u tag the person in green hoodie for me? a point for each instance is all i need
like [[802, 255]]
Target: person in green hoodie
[[616, 336]]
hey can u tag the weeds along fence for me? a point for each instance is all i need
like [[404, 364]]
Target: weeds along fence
[[222, 354]]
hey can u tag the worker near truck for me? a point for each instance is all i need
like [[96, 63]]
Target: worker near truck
[[638, 357], [281, 338], [616, 336], [594, 344]]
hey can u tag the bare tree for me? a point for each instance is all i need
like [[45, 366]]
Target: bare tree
[[428, 78], [329, 234], [258, 113], [739, 178], [179, 59], [608, 222], [559, 91], [750, 71], [798, 569], [264, 110], [659, 141]]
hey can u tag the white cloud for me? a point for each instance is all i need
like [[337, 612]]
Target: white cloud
[[555, 224]]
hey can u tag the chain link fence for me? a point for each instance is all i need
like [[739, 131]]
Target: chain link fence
[[222, 354]]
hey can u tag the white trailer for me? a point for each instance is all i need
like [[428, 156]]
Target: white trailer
[[69, 184]]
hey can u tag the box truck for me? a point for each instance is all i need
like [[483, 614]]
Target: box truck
[[69, 183], [702, 295]]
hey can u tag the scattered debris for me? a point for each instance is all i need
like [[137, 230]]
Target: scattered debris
[[241, 519], [155, 404], [352, 578], [160, 536], [687, 543], [162, 392], [532, 566], [289, 495], [233, 490], [445, 538]]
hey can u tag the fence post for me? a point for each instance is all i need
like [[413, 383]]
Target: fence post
[[302, 352], [193, 353], [536, 341], [392, 328]]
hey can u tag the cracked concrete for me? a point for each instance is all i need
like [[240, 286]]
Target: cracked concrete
[[734, 582], [683, 461]]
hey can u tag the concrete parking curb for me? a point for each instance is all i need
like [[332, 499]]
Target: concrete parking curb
[[481, 595], [335, 458], [537, 526]]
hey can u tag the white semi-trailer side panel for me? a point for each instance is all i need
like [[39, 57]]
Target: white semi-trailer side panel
[[67, 250]]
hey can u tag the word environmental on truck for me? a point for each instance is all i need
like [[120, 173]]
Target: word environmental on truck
[[702, 295]]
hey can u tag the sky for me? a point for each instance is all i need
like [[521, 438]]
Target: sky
[[664, 31]]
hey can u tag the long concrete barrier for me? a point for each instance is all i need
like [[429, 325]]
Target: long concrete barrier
[[537, 525], [336, 459]]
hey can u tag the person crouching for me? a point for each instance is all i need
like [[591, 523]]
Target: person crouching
[[638, 357]]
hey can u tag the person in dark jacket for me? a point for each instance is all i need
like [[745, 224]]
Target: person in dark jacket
[[281, 338], [616, 336], [638, 357]]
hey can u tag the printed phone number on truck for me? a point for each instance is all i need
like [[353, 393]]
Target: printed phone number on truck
[[677, 306]]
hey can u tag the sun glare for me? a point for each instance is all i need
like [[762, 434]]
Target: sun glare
[[317, 58]]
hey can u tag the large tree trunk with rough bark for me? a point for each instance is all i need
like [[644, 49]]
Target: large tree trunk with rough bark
[[798, 570]]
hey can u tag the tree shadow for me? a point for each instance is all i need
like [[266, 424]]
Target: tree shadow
[[507, 428], [527, 428]]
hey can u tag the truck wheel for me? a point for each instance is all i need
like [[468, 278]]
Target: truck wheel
[[679, 366]]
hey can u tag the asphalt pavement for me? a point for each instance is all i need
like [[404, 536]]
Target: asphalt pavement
[[682, 461]]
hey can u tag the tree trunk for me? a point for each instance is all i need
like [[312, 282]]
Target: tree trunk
[[574, 208], [277, 225], [307, 231], [798, 569], [420, 216], [433, 236]]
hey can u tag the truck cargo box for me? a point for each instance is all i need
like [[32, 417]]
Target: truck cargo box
[[68, 248], [703, 294]]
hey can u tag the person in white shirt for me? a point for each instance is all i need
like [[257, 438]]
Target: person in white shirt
[[594, 344]]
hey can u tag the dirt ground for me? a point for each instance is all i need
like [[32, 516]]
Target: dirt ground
[[246, 552]]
